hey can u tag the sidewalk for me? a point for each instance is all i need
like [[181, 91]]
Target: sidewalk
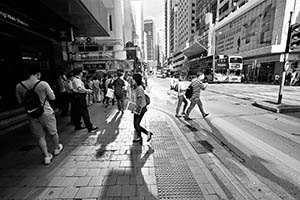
[[107, 165]]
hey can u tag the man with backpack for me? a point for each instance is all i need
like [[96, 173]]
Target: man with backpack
[[119, 91], [34, 94]]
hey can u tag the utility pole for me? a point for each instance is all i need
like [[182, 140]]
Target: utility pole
[[286, 55]]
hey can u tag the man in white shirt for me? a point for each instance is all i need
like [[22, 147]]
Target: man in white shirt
[[79, 101], [181, 97]]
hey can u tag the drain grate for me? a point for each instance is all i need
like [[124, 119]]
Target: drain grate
[[174, 177], [90, 141], [103, 155]]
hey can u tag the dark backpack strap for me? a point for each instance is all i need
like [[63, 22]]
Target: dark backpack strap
[[36, 84], [24, 86]]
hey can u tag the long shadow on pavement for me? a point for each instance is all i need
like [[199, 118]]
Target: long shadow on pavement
[[129, 182], [253, 163]]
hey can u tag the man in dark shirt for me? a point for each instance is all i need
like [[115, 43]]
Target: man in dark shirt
[[119, 88]]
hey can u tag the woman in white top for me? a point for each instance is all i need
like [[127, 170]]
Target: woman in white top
[[181, 97], [140, 105]]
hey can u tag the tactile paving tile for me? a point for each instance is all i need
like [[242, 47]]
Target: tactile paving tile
[[174, 177]]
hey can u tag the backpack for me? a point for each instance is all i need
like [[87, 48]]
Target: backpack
[[147, 98], [189, 92], [32, 102], [110, 84]]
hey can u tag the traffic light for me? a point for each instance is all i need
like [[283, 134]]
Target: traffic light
[[295, 36]]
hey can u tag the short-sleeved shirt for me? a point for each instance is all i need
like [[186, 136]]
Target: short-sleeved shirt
[[181, 88], [77, 84], [139, 92], [197, 87], [43, 89]]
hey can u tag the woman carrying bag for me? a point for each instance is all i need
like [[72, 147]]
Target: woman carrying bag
[[140, 110]]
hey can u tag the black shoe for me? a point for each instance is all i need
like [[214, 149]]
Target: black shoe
[[93, 128], [178, 116], [79, 128], [137, 140], [149, 136]]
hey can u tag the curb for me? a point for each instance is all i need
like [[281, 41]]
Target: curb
[[219, 191], [277, 108]]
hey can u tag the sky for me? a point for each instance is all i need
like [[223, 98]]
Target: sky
[[155, 9]]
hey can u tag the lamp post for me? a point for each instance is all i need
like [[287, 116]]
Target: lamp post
[[285, 66]]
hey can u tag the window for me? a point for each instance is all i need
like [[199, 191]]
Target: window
[[110, 23], [224, 8]]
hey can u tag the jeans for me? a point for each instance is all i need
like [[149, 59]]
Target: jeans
[[180, 100], [136, 122], [120, 102], [194, 102]]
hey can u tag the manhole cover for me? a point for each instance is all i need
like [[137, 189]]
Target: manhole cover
[[103, 155], [27, 148], [202, 146], [193, 129]]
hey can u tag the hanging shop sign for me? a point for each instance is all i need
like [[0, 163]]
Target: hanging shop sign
[[9, 17]]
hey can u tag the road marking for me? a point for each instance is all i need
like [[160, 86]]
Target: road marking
[[254, 143], [286, 121], [275, 130]]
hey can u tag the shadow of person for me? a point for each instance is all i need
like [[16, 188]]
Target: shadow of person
[[108, 133], [256, 164], [131, 182]]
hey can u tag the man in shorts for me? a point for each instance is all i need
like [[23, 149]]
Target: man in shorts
[[47, 121]]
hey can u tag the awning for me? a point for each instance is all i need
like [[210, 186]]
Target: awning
[[80, 15], [194, 50]]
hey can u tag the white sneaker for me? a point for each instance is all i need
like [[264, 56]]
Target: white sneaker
[[58, 150], [47, 160]]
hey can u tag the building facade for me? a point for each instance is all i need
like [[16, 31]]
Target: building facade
[[40, 36], [258, 32], [150, 31], [108, 54]]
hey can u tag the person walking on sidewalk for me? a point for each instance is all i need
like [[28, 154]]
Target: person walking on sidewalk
[[197, 86], [79, 102], [140, 105], [46, 121], [181, 97], [119, 88]]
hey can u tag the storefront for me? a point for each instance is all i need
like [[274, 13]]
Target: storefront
[[30, 33]]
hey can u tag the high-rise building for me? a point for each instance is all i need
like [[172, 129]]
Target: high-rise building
[[225, 7], [150, 31], [186, 25]]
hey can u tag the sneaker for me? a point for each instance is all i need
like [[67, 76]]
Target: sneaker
[[139, 139], [48, 159], [149, 136], [187, 118], [93, 128], [205, 115], [58, 150]]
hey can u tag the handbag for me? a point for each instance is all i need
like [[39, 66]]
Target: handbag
[[110, 93]]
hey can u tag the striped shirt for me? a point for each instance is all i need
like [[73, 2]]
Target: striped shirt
[[197, 87], [139, 92]]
